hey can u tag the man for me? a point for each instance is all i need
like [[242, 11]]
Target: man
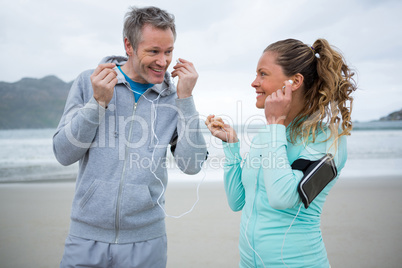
[[118, 122]]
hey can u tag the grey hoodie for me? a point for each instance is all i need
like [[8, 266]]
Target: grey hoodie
[[122, 154]]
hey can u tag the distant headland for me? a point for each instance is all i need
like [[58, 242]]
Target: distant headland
[[39, 103]]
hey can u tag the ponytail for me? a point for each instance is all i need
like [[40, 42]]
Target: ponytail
[[328, 85]]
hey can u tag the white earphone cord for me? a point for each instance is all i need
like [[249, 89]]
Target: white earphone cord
[[248, 220], [153, 162]]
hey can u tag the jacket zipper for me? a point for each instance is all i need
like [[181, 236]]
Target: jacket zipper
[[117, 220], [255, 212]]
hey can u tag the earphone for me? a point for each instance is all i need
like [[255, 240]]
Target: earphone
[[252, 208], [290, 81], [284, 237], [163, 186], [153, 160]]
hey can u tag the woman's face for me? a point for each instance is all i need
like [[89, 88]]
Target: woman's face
[[269, 79]]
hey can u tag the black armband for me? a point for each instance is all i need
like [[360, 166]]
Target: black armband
[[317, 175]]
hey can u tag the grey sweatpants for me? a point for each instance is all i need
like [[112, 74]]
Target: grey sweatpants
[[79, 252]]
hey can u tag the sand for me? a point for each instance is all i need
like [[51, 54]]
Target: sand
[[361, 224]]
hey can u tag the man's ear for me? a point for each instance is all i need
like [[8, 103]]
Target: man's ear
[[297, 81], [127, 46]]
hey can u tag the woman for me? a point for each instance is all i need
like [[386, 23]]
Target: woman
[[305, 92]]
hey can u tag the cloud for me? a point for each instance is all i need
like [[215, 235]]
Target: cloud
[[224, 39]]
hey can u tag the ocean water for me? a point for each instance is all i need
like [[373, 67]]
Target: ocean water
[[374, 150]]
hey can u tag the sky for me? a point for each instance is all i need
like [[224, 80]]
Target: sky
[[224, 39]]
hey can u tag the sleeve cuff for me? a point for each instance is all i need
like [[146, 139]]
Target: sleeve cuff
[[232, 151], [186, 106], [93, 112]]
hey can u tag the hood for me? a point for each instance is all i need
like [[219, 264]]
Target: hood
[[164, 89]]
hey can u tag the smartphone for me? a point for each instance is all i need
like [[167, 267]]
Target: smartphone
[[317, 175]]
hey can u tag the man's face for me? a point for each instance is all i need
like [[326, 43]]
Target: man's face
[[153, 56]]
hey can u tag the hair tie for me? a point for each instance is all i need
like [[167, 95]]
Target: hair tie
[[314, 52]]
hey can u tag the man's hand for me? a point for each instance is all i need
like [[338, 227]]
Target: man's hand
[[103, 80], [187, 78]]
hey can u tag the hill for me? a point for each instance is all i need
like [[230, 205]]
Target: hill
[[393, 116], [32, 103], [39, 103]]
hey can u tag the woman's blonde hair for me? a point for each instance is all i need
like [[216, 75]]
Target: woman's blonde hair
[[328, 85]]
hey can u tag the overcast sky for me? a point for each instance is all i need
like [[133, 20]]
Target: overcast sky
[[223, 38]]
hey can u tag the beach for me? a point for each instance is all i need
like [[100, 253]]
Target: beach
[[361, 224]]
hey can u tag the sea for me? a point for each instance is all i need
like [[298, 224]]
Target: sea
[[374, 151]]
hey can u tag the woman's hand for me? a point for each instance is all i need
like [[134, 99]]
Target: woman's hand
[[221, 130], [278, 104]]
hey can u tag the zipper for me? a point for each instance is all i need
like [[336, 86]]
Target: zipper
[[255, 213], [117, 219]]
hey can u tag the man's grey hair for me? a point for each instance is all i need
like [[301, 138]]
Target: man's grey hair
[[136, 18]]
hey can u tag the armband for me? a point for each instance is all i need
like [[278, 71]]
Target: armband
[[317, 175]]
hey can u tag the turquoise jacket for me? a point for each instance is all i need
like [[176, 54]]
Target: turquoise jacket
[[276, 230]]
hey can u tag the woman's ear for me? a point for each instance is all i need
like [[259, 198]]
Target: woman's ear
[[297, 81]]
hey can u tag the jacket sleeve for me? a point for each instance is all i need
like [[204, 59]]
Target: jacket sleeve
[[190, 150], [232, 176], [78, 125], [280, 180]]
